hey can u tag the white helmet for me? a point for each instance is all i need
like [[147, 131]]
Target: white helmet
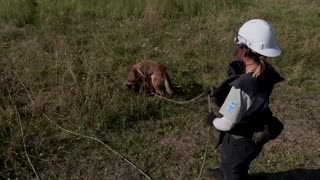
[[259, 36]]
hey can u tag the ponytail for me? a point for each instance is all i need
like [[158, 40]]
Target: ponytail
[[260, 71]]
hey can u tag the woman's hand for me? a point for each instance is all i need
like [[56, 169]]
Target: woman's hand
[[211, 91], [261, 137], [211, 116]]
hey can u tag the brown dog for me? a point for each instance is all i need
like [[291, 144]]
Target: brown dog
[[151, 76]]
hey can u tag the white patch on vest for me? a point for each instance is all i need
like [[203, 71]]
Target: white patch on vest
[[231, 106]]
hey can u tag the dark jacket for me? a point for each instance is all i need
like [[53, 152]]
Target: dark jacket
[[259, 90]]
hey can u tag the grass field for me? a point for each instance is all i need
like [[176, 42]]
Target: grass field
[[72, 58]]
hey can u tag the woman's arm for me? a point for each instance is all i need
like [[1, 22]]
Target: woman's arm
[[233, 109]]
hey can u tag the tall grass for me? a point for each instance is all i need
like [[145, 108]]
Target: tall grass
[[29, 11]]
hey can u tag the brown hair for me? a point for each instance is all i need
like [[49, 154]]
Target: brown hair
[[243, 49]]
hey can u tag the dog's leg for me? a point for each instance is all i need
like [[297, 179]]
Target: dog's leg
[[157, 85], [168, 85]]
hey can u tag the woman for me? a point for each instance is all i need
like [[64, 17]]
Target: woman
[[245, 112]]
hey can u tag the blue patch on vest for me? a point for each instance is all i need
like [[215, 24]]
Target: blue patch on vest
[[231, 106]]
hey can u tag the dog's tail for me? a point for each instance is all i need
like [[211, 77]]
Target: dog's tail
[[168, 85]]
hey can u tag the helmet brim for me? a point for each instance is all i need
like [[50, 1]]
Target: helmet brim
[[274, 52]]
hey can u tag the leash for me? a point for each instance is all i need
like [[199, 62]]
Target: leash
[[208, 141], [209, 104], [205, 154], [208, 135], [179, 102], [22, 133], [74, 133]]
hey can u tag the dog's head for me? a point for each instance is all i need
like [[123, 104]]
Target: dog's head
[[133, 86]]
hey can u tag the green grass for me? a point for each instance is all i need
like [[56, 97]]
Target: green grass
[[74, 56]]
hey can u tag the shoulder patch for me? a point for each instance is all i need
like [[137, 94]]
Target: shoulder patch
[[231, 106]]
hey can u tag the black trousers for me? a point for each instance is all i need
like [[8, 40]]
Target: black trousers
[[236, 156]]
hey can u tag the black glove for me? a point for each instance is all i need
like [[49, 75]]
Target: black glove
[[211, 91], [211, 116], [261, 137]]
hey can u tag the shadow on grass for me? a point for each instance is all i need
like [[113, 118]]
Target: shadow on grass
[[188, 90], [295, 174]]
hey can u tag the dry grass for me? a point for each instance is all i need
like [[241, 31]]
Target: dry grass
[[74, 57]]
